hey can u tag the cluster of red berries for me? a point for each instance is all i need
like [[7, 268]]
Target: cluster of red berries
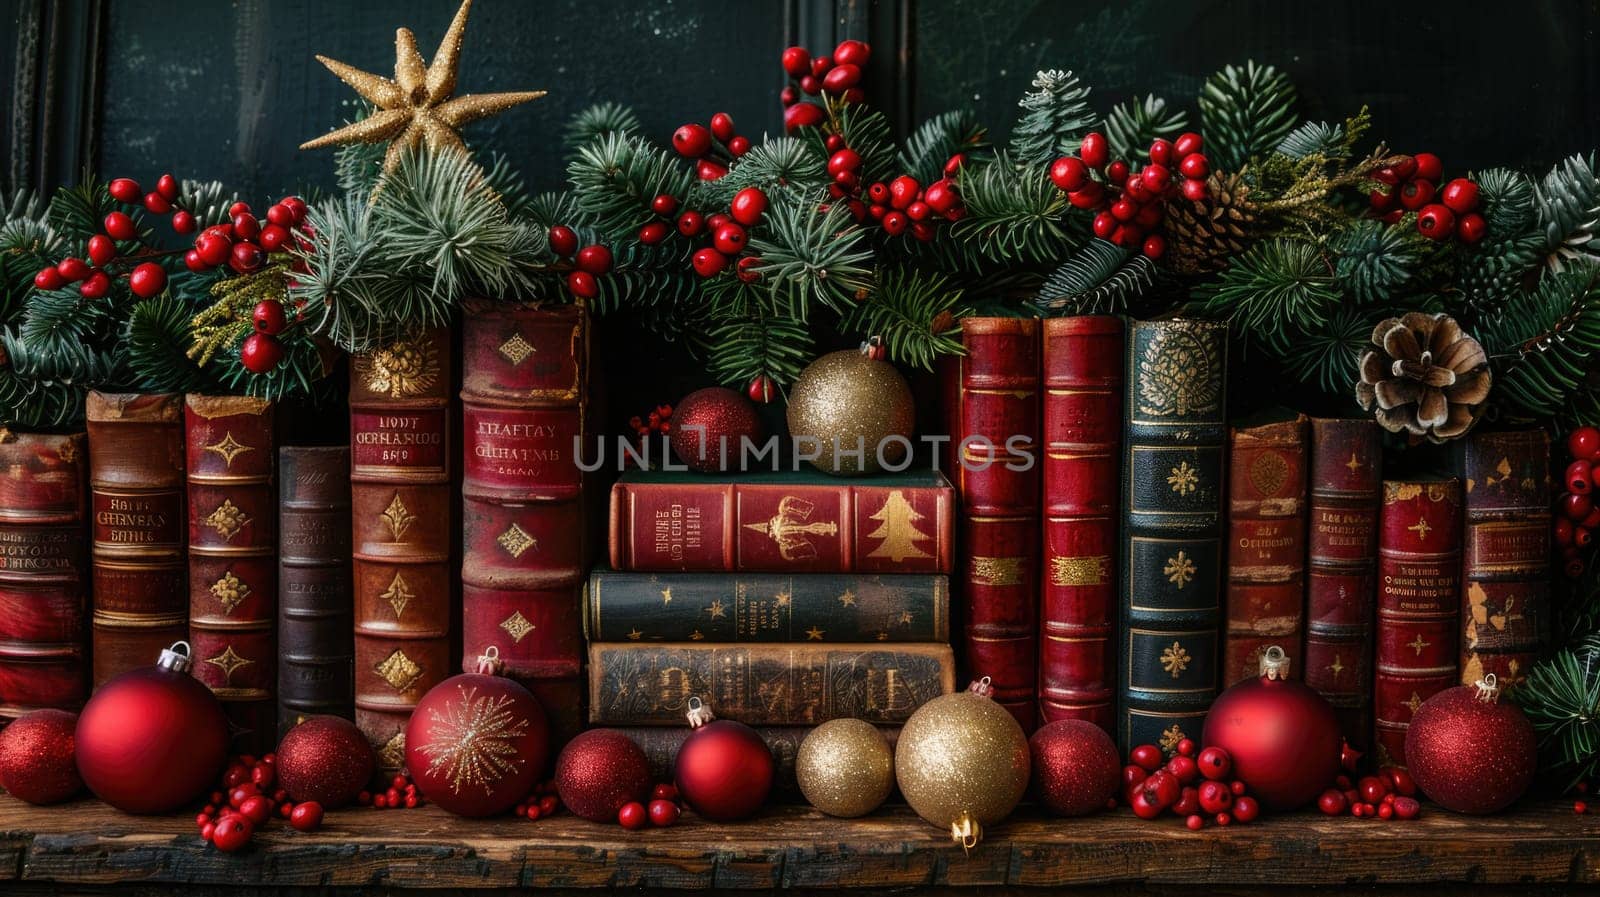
[[659, 421], [92, 275], [1391, 794], [244, 242], [727, 230], [1580, 806], [1131, 202], [1194, 787], [248, 798], [1412, 186], [663, 810], [713, 149], [541, 803], [402, 794], [262, 351], [1577, 514], [590, 262], [838, 75]]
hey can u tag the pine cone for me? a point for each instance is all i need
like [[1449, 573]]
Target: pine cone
[[1426, 376], [1202, 236]]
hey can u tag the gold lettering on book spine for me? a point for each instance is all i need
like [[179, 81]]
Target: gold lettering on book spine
[[1178, 371], [987, 571], [407, 367], [1091, 570]]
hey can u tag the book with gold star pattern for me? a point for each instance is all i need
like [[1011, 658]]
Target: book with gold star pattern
[[766, 607]]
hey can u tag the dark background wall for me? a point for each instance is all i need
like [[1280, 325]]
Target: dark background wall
[[229, 89]]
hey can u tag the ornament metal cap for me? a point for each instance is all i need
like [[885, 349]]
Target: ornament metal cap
[[176, 660], [1488, 689], [966, 831], [489, 663], [699, 713], [1274, 663], [983, 687], [873, 348]]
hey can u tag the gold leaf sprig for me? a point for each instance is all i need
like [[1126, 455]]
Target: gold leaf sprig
[[225, 322]]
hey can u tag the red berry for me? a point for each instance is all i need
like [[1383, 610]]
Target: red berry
[[1460, 195], [595, 259], [1415, 194], [811, 84], [306, 817], [232, 832], [1147, 756], [709, 262], [1245, 809], [213, 247], [1095, 151], [563, 240], [1149, 216], [1237, 787], [1161, 151], [1583, 442], [633, 816], [1184, 769], [1156, 178], [1187, 144], [1386, 811], [729, 239], [1188, 801], [664, 791], [691, 141], [953, 164], [1069, 173], [761, 389], [1103, 225], [940, 196], [269, 318], [664, 204], [1144, 804], [1215, 797], [1215, 763], [280, 214], [1427, 166], [246, 226], [1186, 747], [102, 249], [841, 78], [95, 286], [246, 257], [748, 206], [1195, 822], [260, 353], [274, 238], [1194, 190], [238, 208], [194, 262], [796, 62], [1407, 808], [583, 284], [903, 191], [1194, 167], [120, 226], [147, 280], [1163, 787], [125, 190], [820, 66], [722, 127], [1562, 530], [256, 808], [1436, 222], [1372, 789], [663, 813], [1582, 536], [1089, 196], [654, 233], [1580, 807], [918, 211], [72, 269], [690, 223], [1332, 802], [49, 279], [851, 52], [894, 223], [1579, 477], [167, 186], [1471, 227], [1117, 172], [739, 145], [183, 222], [748, 270], [156, 204], [707, 170], [1576, 506], [1224, 819]]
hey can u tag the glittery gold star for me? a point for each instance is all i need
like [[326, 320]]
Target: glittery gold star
[[416, 108], [813, 634]]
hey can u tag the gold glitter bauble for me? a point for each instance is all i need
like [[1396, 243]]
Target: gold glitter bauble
[[845, 767], [845, 400], [962, 763]]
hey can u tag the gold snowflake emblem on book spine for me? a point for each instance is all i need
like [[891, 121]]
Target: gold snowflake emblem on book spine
[[229, 661], [400, 671], [517, 626], [230, 591], [1183, 479], [474, 740], [515, 349], [229, 448], [227, 519], [1179, 570], [1175, 659], [398, 518], [515, 540]]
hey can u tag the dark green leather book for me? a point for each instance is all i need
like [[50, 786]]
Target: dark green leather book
[[766, 607], [1172, 552]]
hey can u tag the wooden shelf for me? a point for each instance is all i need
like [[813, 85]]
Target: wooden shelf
[[1542, 847]]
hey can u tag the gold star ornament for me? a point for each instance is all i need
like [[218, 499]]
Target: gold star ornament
[[416, 108]]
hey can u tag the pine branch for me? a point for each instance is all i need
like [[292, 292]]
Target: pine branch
[[864, 130], [598, 122], [932, 144], [340, 290], [1317, 138], [1568, 204], [1327, 354], [917, 315], [615, 178], [1055, 117], [1277, 285], [1561, 697], [77, 213], [1244, 113], [1373, 261], [1506, 199], [1133, 125], [1014, 215], [1099, 278], [1543, 348], [741, 348], [207, 201], [783, 163], [810, 258], [158, 342]]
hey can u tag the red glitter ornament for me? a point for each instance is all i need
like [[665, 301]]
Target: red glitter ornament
[[38, 763], [707, 428], [1283, 737], [325, 759], [1469, 751], [724, 770], [599, 771], [1075, 767], [153, 738]]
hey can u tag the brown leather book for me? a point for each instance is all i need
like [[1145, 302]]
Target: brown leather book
[[650, 684], [1419, 600], [1342, 568], [524, 396], [233, 578], [1266, 545], [316, 647], [400, 499], [137, 512], [1505, 554], [44, 576]]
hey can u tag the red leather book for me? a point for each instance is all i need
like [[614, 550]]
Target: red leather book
[[1505, 554], [1342, 569], [233, 576], [44, 574], [400, 457], [1266, 545], [783, 522], [524, 396], [997, 480], [137, 511], [1419, 576], [1082, 431]]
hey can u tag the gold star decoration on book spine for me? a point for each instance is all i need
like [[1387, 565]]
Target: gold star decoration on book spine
[[416, 108]]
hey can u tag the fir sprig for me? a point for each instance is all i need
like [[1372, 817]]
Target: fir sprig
[[1099, 278], [1133, 125], [1561, 697], [1245, 111], [1055, 117], [1014, 215], [811, 258], [917, 315]]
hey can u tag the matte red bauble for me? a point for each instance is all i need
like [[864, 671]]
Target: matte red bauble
[[1469, 751], [477, 742], [599, 771], [38, 763], [1282, 735], [1075, 767], [153, 738], [707, 427], [325, 759], [724, 770]]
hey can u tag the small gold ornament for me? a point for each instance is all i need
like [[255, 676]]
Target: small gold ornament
[[962, 762], [847, 401], [416, 107], [845, 767]]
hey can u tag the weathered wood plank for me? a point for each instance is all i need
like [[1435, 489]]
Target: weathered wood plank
[[1541, 846]]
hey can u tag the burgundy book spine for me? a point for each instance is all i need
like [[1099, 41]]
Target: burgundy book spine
[[524, 401], [1505, 555], [233, 572], [43, 573], [1419, 575], [140, 582], [401, 532], [1265, 601], [1342, 568], [998, 483], [1082, 434], [316, 648]]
